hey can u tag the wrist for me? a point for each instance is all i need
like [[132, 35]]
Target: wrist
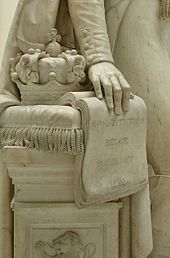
[[100, 61]]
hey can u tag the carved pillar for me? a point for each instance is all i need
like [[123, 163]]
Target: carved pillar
[[46, 221], [6, 245]]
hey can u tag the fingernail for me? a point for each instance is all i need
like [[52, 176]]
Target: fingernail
[[118, 112], [132, 96], [126, 108], [111, 105], [100, 96]]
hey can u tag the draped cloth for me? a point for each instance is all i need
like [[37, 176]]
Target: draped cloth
[[19, 40], [114, 163], [135, 218], [38, 16], [160, 192], [99, 169]]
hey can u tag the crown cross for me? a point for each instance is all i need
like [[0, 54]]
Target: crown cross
[[53, 36]]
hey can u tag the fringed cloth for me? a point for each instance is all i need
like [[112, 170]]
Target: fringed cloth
[[42, 127], [113, 164], [165, 9], [45, 139]]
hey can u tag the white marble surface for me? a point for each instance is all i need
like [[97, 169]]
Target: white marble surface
[[6, 230], [7, 9], [40, 176], [133, 63], [53, 230]]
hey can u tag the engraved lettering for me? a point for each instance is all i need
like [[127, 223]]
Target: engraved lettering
[[116, 141], [109, 163], [114, 123], [117, 181]]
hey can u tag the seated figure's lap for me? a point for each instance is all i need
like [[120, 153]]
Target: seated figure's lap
[[142, 54]]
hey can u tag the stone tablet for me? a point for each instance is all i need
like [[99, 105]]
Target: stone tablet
[[114, 164], [116, 151], [54, 230]]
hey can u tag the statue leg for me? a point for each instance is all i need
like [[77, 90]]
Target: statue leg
[[160, 192], [6, 229], [125, 229], [142, 53]]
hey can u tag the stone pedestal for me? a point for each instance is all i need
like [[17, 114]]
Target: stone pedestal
[[46, 221]]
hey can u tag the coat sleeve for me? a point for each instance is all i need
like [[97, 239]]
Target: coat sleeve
[[89, 22]]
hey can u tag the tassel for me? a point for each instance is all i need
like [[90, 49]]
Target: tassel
[[45, 139], [165, 9]]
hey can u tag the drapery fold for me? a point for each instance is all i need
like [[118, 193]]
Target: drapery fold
[[99, 170]]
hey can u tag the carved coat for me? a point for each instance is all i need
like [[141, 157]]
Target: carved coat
[[35, 18]]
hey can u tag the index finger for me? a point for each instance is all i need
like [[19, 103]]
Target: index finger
[[126, 91], [97, 85]]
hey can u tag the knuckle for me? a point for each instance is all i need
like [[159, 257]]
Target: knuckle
[[117, 97], [109, 99], [96, 81], [97, 88], [96, 84], [108, 91], [118, 91], [127, 89], [110, 74], [108, 95], [114, 80], [122, 79], [120, 75], [107, 84]]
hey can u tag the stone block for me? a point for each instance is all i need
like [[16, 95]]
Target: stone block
[[63, 230], [40, 176]]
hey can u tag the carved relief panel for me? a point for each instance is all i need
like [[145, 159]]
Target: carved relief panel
[[63, 231], [66, 243]]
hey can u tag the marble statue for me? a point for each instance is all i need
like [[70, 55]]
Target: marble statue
[[141, 51], [119, 45], [102, 70]]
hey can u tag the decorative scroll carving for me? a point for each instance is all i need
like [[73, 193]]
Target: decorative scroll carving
[[67, 245]]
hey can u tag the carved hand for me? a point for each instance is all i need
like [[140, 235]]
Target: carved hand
[[116, 89]]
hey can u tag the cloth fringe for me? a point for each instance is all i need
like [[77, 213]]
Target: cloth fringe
[[45, 139], [165, 9]]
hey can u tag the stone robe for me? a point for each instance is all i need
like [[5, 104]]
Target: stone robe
[[141, 50], [34, 19], [88, 19]]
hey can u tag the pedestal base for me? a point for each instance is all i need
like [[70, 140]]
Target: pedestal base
[[53, 230], [47, 224]]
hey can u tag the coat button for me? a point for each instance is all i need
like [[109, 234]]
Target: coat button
[[90, 58], [86, 46], [84, 33]]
